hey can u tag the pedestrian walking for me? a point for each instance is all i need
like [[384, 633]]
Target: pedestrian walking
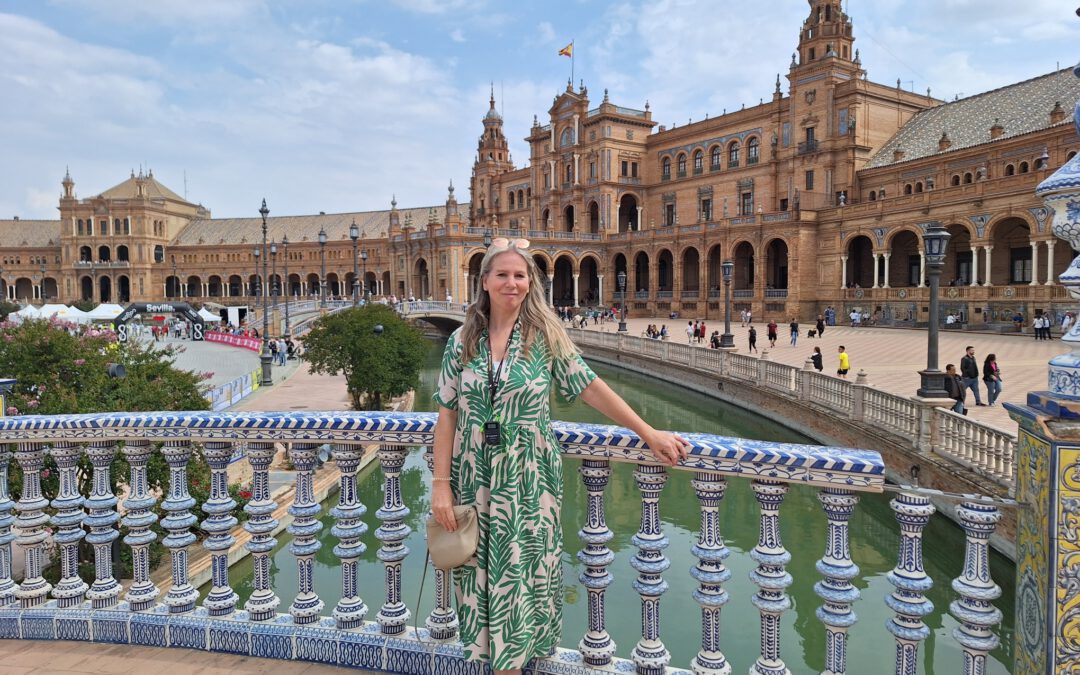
[[701, 332], [749, 316], [956, 389], [817, 359], [845, 363], [992, 378], [969, 373], [771, 329], [742, 313], [820, 326], [753, 339], [794, 326], [690, 331]]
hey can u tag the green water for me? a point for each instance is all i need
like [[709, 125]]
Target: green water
[[874, 543]]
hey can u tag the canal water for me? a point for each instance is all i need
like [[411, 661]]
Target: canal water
[[874, 544]]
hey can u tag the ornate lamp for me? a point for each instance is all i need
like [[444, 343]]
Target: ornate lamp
[[621, 277], [935, 240], [354, 234], [727, 340]]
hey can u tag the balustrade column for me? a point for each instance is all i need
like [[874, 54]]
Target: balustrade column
[[70, 591], [600, 289], [349, 528], [887, 256], [33, 590], [843, 272], [7, 584], [394, 614], [649, 654], [219, 522], [710, 573], [139, 517], [576, 290], [262, 604], [102, 519], [182, 595], [596, 646], [837, 571], [770, 576], [1034, 263], [442, 623], [1050, 262], [911, 582], [876, 267], [977, 590], [974, 266], [307, 605], [989, 266]]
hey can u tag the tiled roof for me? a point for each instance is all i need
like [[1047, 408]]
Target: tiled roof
[[24, 233], [372, 224], [129, 189], [1019, 108]]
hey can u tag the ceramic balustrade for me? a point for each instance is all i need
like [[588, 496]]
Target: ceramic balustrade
[[342, 636]]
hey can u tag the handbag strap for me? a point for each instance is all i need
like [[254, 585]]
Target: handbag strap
[[419, 598]]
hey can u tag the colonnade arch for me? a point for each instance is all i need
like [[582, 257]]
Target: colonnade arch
[[905, 263], [744, 272], [628, 213], [860, 262], [691, 270], [776, 264]]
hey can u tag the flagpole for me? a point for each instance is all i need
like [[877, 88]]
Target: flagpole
[[573, 57]]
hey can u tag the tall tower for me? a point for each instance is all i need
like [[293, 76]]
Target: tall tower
[[826, 39], [492, 159], [69, 185]]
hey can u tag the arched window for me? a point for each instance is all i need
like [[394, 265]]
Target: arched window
[[117, 227], [511, 199], [714, 158], [1010, 170], [567, 137], [699, 162], [521, 199], [80, 226], [682, 166], [569, 173], [665, 168], [956, 179], [968, 178], [733, 155], [918, 187], [1070, 155], [752, 148], [127, 225], [907, 189], [873, 195], [1023, 167]]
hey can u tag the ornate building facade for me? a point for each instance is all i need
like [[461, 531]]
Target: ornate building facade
[[818, 195]]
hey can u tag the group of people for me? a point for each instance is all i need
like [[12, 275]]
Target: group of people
[[1041, 325], [957, 384], [843, 363], [695, 332], [651, 331], [282, 349]]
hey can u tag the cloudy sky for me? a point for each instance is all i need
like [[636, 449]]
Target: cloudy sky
[[335, 105]]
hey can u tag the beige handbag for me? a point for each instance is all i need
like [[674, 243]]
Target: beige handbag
[[453, 549]]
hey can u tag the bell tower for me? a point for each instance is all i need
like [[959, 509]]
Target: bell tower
[[492, 159], [826, 41], [69, 185]]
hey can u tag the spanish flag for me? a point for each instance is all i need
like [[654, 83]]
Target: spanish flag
[[568, 50]]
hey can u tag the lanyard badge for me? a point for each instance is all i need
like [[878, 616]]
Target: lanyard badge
[[492, 428]]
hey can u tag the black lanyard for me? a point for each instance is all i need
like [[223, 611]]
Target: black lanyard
[[493, 378]]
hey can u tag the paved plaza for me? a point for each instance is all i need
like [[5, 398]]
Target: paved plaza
[[225, 362], [892, 357]]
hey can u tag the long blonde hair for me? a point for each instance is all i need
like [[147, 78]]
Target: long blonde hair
[[536, 316]]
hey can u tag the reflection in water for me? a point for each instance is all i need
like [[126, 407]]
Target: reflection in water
[[874, 544]]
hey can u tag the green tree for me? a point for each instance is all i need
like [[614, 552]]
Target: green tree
[[375, 365]]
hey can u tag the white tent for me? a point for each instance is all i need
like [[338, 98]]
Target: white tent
[[28, 312], [207, 315], [47, 311], [73, 314], [105, 312]]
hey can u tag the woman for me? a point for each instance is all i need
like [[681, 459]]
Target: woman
[[752, 335], [816, 357], [991, 375], [820, 326], [494, 448]]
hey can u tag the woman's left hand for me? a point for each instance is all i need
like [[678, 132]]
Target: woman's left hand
[[667, 447]]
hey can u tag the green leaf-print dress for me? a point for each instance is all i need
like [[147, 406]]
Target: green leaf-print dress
[[510, 595]]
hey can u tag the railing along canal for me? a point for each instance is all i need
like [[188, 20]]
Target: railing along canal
[[306, 629]]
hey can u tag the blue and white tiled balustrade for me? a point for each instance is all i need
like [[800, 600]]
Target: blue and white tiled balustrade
[[303, 628]]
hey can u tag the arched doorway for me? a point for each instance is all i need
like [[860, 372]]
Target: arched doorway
[[641, 276], [333, 285], [589, 282], [959, 266], [24, 289], [628, 214], [369, 286], [743, 274], [86, 289], [122, 253], [545, 219], [86, 254], [569, 218], [665, 273], [123, 288], [860, 264], [104, 254], [542, 267], [385, 283], [52, 291], [619, 266], [421, 282], [193, 288], [313, 284], [474, 277], [594, 218], [904, 260], [691, 273], [172, 287], [214, 284], [255, 286], [562, 289], [776, 264], [236, 286], [713, 270], [105, 288], [1010, 261]]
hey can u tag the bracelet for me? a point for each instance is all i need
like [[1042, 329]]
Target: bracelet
[[434, 478]]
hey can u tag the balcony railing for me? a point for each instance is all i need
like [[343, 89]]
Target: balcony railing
[[776, 292], [807, 147], [742, 293]]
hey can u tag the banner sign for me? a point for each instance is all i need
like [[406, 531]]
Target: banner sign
[[198, 325]]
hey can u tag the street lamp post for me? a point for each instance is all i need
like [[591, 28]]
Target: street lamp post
[[275, 289], [322, 267], [175, 280], [932, 380], [363, 273], [44, 297], [265, 358], [285, 252], [621, 277], [354, 234], [727, 340]]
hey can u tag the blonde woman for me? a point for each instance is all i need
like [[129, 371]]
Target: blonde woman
[[494, 447]]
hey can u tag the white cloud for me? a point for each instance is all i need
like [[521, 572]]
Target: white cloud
[[441, 6], [457, 35], [168, 12], [545, 31]]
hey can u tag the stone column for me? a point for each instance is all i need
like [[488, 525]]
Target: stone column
[[887, 256], [989, 266], [843, 272], [875, 284], [922, 269], [640, 210], [1034, 263], [974, 266], [551, 289], [576, 290], [468, 289], [577, 173], [600, 290], [1050, 263]]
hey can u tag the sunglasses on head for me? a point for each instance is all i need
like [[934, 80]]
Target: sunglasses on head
[[503, 242]]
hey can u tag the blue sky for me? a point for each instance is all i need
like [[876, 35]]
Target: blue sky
[[335, 105]]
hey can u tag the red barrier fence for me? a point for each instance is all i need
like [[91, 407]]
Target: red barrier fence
[[254, 344]]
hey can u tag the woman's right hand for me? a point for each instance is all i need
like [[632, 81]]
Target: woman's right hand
[[442, 505]]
